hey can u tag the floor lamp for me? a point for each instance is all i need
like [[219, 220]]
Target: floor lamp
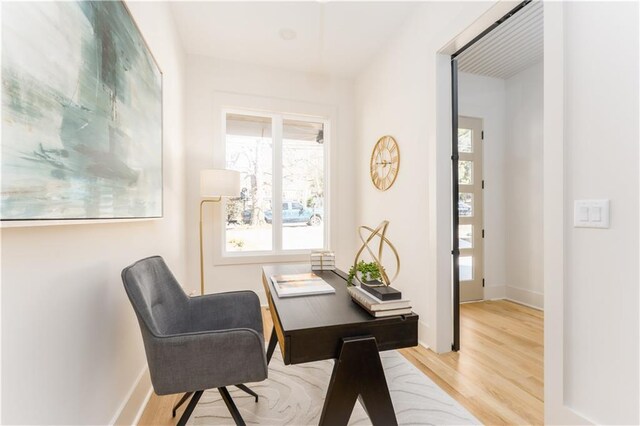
[[215, 184]]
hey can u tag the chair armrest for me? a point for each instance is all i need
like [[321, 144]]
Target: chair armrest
[[206, 360], [222, 311]]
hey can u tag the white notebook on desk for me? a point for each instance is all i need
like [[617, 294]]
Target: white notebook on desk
[[290, 285]]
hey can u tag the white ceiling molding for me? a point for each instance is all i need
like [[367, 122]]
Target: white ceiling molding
[[512, 47], [336, 38]]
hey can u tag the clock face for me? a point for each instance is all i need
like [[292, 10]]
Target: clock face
[[385, 163]]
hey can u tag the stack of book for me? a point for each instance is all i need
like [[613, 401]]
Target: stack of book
[[376, 307], [323, 260]]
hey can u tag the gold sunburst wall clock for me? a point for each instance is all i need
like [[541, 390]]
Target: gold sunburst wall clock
[[385, 163]]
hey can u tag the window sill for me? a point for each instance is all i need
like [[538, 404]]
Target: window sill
[[251, 259]]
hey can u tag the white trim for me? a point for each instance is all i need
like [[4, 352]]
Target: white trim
[[507, 299], [133, 405], [440, 176], [526, 297], [439, 181], [524, 304], [423, 333], [276, 185], [286, 109], [256, 258], [555, 410]]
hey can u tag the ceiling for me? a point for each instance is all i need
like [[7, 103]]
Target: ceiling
[[512, 47], [336, 38]]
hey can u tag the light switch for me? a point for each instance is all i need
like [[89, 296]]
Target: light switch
[[583, 213], [591, 214]]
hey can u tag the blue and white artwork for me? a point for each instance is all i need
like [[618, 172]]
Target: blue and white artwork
[[81, 114]]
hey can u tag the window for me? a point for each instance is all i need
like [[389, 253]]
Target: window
[[282, 161]]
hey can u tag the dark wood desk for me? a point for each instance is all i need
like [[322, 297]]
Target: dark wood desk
[[325, 326]]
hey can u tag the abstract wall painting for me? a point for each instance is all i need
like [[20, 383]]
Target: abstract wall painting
[[81, 114]]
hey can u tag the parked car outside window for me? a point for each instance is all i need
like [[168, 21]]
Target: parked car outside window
[[292, 212]]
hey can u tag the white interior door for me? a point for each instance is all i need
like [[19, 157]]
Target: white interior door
[[470, 228]]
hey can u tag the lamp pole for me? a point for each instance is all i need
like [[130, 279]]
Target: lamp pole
[[202, 203]]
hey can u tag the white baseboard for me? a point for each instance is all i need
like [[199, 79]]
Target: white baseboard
[[524, 304], [497, 292], [136, 401], [529, 298], [423, 332]]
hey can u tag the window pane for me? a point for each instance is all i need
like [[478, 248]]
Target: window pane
[[249, 151], [464, 140], [465, 204], [466, 268], [303, 185], [465, 172], [465, 236]]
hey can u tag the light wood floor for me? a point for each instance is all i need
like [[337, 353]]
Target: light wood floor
[[497, 375]]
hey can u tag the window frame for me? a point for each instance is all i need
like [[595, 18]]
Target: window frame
[[277, 253]]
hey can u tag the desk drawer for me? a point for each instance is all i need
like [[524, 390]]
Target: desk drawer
[[324, 343]]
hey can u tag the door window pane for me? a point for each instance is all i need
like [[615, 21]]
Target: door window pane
[[303, 185], [465, 236], [465, 204], [249, 151], [465, 172], [466, 268], [465, 143]]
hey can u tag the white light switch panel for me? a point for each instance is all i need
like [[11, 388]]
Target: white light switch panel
[[591, 214]]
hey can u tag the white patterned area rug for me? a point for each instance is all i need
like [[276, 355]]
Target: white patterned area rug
[[294, 395]]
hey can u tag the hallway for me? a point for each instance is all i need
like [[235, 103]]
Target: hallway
[[498, 373]]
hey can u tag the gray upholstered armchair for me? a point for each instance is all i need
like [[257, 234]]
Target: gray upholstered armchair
[[195, 343]]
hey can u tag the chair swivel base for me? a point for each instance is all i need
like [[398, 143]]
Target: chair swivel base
[[190, 407], [226, 397]]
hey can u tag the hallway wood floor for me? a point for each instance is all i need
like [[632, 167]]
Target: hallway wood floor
[[497, 375]]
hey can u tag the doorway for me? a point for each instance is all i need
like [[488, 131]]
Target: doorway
[[497, 89]]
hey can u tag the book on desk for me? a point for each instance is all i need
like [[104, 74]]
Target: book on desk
[[305, 284], [376, 307], [323, 260]]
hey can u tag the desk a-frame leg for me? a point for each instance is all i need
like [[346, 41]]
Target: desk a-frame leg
[[358, 373], [273, 341]]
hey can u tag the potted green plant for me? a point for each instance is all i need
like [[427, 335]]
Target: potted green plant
[[369, 272]]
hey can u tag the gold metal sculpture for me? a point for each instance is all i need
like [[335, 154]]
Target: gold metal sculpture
[[379, 232]]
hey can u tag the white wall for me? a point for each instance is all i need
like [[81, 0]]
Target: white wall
[[397, 94], [601, 68], [71, 345], [512, 117], [485, 97], [595, 300], [211, 82], [523, 186]]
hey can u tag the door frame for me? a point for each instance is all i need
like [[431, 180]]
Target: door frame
[[455, 247], [557, 408]]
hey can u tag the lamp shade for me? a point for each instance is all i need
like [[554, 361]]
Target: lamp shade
[[219, 183]]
